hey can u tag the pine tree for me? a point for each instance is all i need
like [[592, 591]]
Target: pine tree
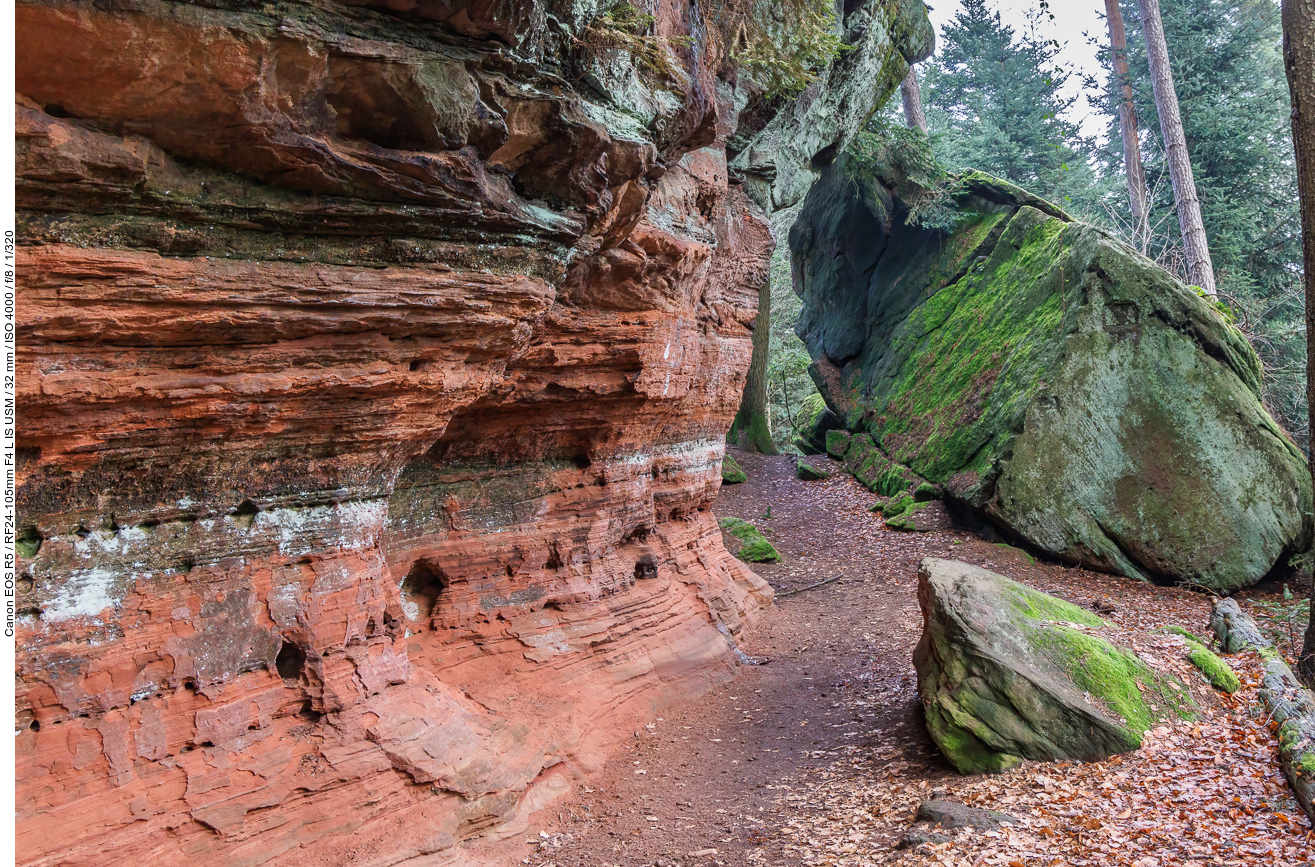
[[1138, 195], [1228, 69], [1196, 250], [996, 95]]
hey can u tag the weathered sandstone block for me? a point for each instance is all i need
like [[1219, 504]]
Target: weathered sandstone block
[[375, 366]]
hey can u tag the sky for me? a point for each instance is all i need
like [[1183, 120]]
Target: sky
[[1073, 18]]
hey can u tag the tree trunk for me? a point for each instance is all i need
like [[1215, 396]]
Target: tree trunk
[[1299, 60], [1138, 195], [913, 114], [1282, 698], [1199, 268], [751, 429]]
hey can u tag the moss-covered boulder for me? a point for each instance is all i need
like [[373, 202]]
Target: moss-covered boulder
[[873, 468], [908, 515], [837, 443], [1218, 673], [1006, 673], [1050, 378], [748, 543], [812, 470], [812, 424], [731, 472]]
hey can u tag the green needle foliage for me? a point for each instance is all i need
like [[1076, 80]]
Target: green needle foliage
[[995, 99], [1228, 72]]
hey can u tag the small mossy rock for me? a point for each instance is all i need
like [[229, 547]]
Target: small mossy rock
[[879, 507], [837, 443], [812, 470], [731, 472], [1045, 374], [1218, 673], [751, 546], [896, 506], [909, 519], [1003, 677], [811, 426], [877, 472], [915, 837]]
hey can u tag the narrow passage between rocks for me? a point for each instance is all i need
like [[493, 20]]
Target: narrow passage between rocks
[[818, 755]]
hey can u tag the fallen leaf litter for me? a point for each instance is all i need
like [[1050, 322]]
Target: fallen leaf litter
[[1205, 792]]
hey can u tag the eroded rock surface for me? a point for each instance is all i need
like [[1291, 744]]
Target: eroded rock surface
[[375, 366], [1007, 673], [1050, 379]]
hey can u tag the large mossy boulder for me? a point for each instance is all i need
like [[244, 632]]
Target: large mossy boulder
[[1006, 673], [1048, 377]]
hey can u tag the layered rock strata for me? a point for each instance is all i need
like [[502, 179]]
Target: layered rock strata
[[1046, 377], [375, 365]]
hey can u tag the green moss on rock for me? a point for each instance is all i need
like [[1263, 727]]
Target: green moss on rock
[[812, 424], [837, 443], [753, 546], [1115, 677], [1042, 607], [1306, 765], [1219, 673], [1007, 673], [897, 506], [1180, 631], [1036, 368], [907, 520], [731, 472], [811, 471]]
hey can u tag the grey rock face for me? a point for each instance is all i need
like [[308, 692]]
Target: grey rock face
[[1006, 673], [1049, 378]]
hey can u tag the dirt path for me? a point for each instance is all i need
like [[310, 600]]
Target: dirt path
[[771, 768]]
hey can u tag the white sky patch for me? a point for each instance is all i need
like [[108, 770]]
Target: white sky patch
[[1072, 21]]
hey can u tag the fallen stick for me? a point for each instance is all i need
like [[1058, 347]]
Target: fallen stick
[[1289, 704], [809, 587]]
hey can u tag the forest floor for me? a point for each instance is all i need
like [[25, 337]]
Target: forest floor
[[818, 756]]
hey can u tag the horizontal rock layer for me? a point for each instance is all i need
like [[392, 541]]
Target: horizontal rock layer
[[375, 366]]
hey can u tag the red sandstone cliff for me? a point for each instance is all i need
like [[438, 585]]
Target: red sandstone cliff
[[375, 363]]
